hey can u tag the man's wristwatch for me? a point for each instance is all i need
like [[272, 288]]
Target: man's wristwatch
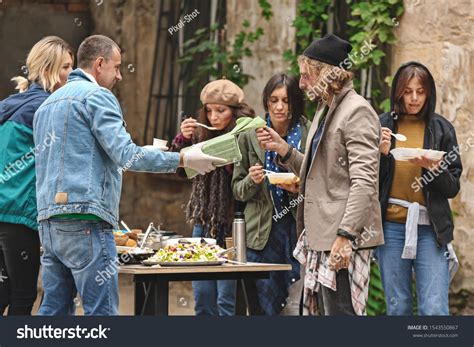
[[343, 233], [288, 154]]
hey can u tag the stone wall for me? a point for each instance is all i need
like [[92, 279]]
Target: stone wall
[[440, 35], [267, 52], [23, 23]]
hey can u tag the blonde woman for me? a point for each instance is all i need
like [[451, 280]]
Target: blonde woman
[[339, 180], [49, 63]]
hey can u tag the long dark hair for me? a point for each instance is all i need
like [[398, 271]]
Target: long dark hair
[[406, 74], [295, 96], [211, 203]]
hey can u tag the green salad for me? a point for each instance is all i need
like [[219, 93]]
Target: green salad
[[188, 252]]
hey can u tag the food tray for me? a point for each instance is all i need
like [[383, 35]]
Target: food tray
[[282, 178], [183, 263]]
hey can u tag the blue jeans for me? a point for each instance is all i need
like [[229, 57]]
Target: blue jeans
[[430, 267], [79, 256], [213, 298]]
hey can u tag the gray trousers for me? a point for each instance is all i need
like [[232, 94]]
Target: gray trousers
[[339, 302]]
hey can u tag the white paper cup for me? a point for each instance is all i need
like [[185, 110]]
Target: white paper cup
[[159, 143]]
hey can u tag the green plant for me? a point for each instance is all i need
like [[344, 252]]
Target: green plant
[[373, 22], [311, 16], [376, 301], [221, 61], [370, 25]]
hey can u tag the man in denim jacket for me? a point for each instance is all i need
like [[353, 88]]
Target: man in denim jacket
[[79, 181]]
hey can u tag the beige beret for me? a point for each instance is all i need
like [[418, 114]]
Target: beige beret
[[222, 92]]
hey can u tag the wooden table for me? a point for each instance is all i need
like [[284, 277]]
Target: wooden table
[[152, 283]]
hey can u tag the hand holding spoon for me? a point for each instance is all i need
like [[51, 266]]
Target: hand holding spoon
[[399, 137]]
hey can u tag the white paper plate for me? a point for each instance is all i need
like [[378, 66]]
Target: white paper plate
[[405, 154]]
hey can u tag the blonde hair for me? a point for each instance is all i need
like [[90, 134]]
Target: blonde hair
[[330, 79], [44, 62]]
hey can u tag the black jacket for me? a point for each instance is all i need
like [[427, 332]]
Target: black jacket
[[438, 186]]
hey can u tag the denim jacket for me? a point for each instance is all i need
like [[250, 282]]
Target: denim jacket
[[84, 149]]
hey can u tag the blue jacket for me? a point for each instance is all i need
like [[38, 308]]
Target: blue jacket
[[81, 170], [17, 164]]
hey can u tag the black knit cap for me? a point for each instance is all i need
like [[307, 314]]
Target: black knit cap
[[330, 49]]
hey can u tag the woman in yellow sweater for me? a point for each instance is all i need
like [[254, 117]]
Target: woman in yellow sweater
[[418, 225]]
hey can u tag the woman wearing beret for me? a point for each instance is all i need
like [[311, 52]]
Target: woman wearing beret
[[211, 205], [270, 209]]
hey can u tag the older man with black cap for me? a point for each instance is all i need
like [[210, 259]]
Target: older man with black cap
[[339, 220]]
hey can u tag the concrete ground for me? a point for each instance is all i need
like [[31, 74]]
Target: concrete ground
[[181, 301]]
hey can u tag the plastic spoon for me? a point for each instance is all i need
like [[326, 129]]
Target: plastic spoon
[[399, 137], [269, 171], [206, 126], [125, 226]]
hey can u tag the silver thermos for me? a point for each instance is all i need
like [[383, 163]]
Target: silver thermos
[[239, 237]]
